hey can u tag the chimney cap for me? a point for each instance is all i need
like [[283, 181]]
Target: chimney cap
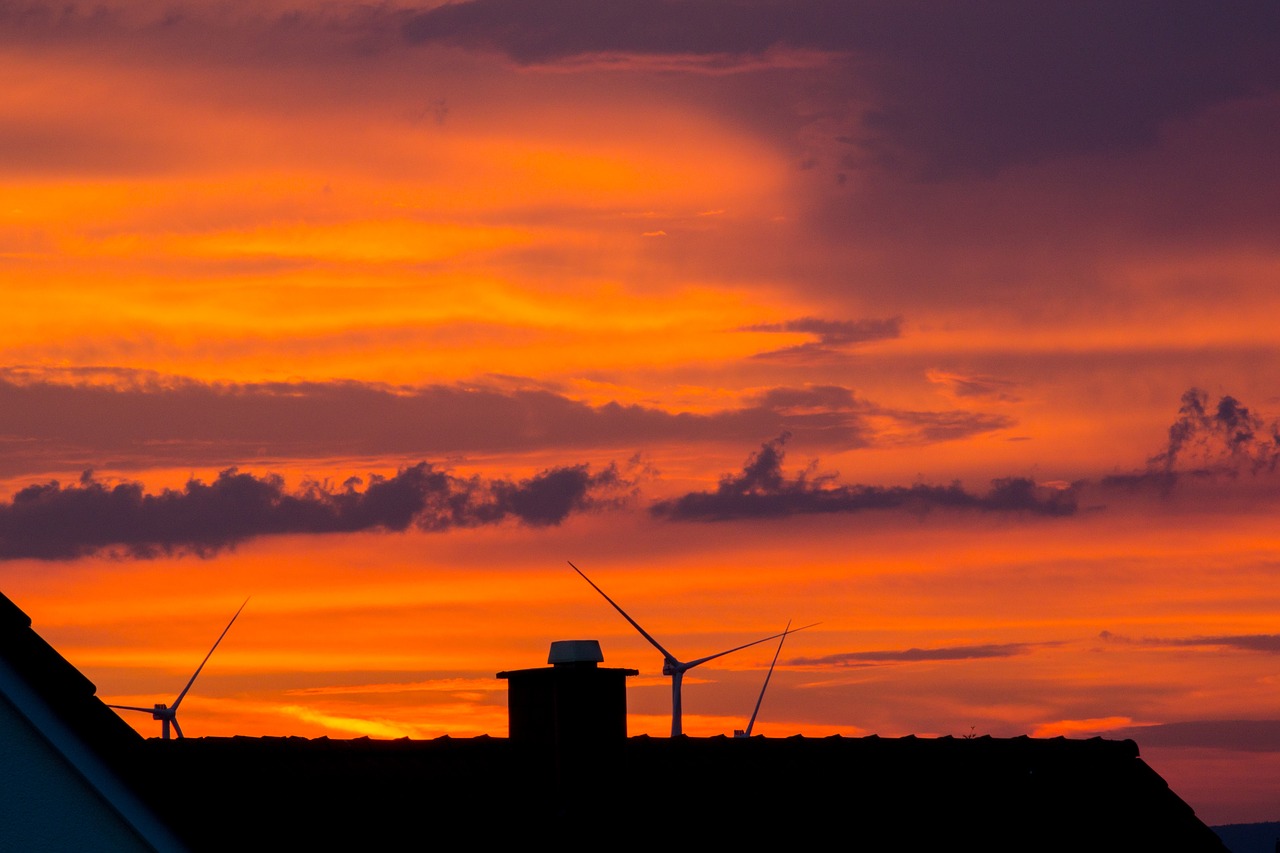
[[575, 651]]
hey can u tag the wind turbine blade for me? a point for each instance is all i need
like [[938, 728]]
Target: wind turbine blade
[[634, 624], [178, 701], [692, 664], [132, 708], [751, 723], [177, 728]]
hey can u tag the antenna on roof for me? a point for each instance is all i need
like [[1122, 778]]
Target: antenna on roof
[[671, 665], [751, 723], [167, 714]]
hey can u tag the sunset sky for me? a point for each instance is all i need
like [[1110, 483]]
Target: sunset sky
[[949, 325]]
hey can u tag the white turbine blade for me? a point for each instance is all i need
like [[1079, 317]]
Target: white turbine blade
[[751, 723], [178, 701], [132, 708], [692, 664], [634, 624]]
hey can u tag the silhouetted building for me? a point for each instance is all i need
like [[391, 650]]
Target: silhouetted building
[[98, 786]]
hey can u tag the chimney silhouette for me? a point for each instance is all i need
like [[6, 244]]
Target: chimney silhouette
[[572, 703]]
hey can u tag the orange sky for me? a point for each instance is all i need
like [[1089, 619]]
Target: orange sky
[[591, 271]]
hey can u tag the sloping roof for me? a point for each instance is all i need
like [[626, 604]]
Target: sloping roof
[[57, 735], [67, 692]]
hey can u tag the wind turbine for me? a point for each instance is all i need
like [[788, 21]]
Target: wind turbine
[[765, 686], [671, 665], [167, 714]]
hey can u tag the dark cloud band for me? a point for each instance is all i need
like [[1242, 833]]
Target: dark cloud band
[[762, 490], [65, 423], [956, 88], [57, 522]]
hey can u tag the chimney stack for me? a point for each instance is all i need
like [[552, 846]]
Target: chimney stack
[[573, 702]]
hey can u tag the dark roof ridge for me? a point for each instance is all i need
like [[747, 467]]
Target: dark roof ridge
[[67, 691]]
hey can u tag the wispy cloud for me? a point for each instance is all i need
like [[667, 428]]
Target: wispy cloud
[[833, 336], [966, 386], [1268, 643], [913, 655]]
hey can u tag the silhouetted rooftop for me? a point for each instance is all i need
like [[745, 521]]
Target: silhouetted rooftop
[[912, 793]]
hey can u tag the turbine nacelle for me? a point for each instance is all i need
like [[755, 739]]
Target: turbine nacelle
[[169, 715], [673, 667]]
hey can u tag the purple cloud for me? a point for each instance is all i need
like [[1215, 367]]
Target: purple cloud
[[833, 336], [143, 420], [954, 88], [762, 490], [56, 522], [946, 653]]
